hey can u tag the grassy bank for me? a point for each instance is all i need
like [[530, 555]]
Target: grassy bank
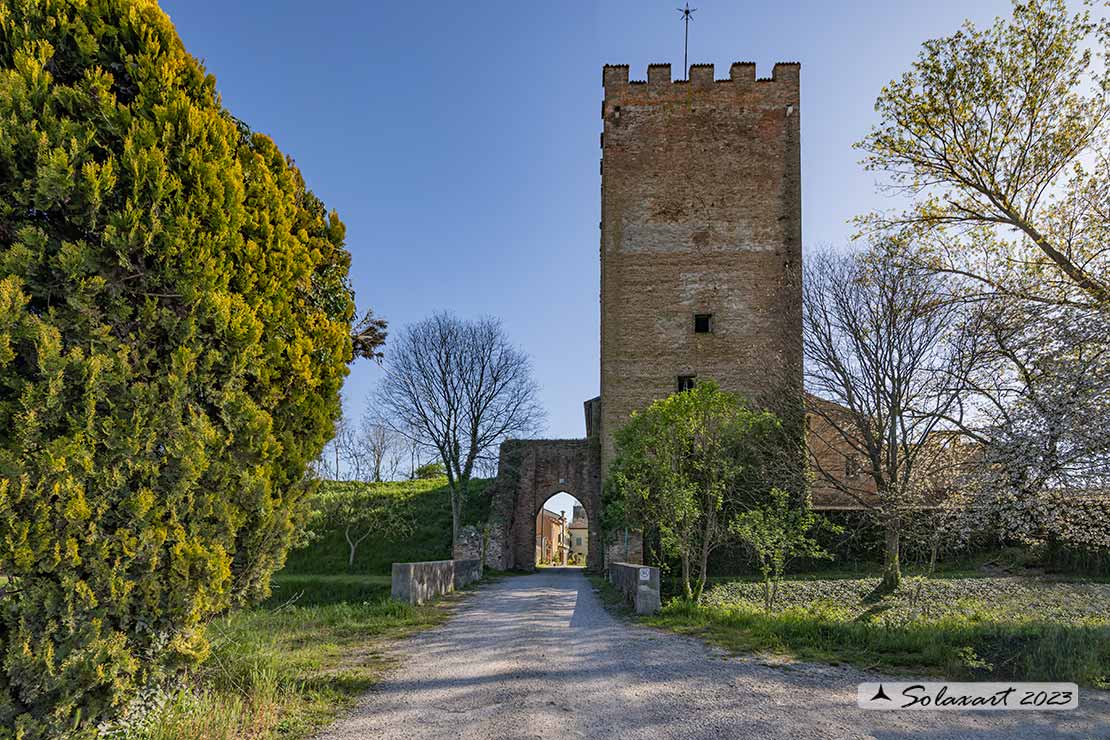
[[429, 502], [970, 628], [287, 668], [321, 590]]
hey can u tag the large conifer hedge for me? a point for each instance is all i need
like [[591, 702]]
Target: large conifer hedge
[[174, 330]]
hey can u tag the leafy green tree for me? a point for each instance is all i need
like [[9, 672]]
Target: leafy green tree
[[433, 469], [174, 330], [686, 464], [999, 136], [361, 513], [778, 532], [1000, 139]]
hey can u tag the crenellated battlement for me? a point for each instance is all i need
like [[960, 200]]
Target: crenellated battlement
[[616, 76]]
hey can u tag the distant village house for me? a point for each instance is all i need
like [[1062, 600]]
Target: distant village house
[[552, 538]]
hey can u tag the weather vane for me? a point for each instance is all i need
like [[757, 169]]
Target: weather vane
[[687, 14]]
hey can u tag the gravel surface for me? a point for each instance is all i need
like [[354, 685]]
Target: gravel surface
[[537, 656]]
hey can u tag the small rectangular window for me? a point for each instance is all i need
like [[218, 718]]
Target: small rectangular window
[[703, 323], [685, 383], [578, 541]]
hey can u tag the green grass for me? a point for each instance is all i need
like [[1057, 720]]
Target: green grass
[[287, 668], [320, 590], [960, 627], [430, 540], [290, 666], [999, 599]]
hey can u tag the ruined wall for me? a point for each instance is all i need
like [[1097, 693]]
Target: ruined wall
[[701, 214]]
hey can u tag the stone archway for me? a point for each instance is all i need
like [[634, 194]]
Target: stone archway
[[529, 473]]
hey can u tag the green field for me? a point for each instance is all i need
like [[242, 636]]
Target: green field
[[963, 626]]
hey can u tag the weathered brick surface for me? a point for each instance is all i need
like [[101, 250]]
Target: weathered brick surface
[[532, 471], [701, 213], [831, 454]]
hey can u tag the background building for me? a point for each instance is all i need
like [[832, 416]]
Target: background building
[[552, 538], [579, 535]]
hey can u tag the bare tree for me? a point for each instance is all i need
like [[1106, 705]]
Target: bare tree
[[884, 359], [382, 446], [350, 447], [368, 451], [461, 388], [329, 465]]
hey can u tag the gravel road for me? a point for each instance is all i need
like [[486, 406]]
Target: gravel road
[[538, 657]]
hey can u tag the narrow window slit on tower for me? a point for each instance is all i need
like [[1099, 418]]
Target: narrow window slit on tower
[[686, 383], [703, 323]]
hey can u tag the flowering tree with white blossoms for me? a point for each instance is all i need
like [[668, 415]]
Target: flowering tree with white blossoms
[[999, 137], [1042, 425]]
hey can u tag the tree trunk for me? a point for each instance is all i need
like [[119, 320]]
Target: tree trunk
[[892, 568], [704, 575], [686, 575], [456, 514], [352, 546]]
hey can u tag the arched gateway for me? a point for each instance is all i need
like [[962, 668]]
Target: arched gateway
[[529, 473]]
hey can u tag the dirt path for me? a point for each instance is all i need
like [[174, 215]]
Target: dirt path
[[538, 657]]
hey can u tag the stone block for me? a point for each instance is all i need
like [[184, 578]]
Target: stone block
[[467, 571]]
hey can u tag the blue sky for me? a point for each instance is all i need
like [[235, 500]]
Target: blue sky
[[459, 141]]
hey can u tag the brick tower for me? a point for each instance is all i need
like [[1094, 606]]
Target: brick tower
[[700, 237], [700, 257]]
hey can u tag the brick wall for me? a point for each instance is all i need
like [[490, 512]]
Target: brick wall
[[832, 455]]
